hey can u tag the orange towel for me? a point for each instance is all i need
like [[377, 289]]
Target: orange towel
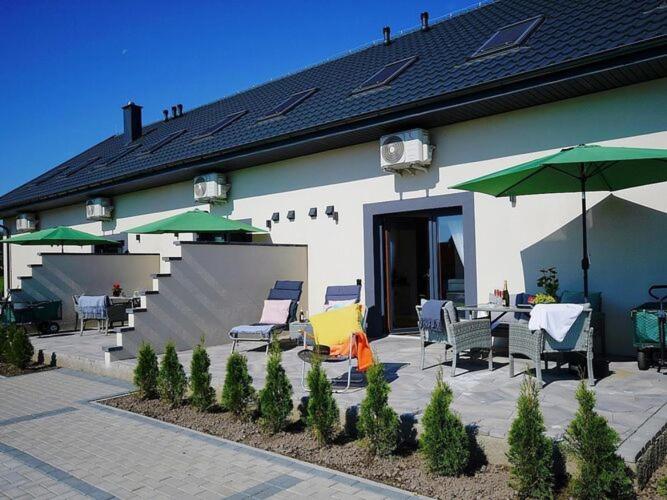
[[361, 349]]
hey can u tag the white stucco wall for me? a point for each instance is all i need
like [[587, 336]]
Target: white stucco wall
[[511, 243]]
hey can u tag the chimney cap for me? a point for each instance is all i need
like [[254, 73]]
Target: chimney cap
[[131, 104], [386, 34]]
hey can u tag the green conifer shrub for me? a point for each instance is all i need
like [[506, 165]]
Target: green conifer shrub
[[275, 399], [171, 380], [589, 439], [322, 411], [40, 357], [444, 440], [4, 343], [146, 372], [202, 395], [531, 451], [53, 362], [237, 392], [18, 348], [378, 422]]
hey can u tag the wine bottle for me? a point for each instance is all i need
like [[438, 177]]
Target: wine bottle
[[506, 295], [302, 318]]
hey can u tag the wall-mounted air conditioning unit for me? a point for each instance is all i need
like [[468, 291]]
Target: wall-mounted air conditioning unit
[[26, 223], [406, 152], [211, 188], [99, 209]]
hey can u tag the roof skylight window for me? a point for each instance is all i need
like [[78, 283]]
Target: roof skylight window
[[166, 140], [387, 74], [227, 120], [290, 103], [70, 172], [509, 36], [123, 153]]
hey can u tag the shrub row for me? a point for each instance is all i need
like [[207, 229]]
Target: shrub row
[[589, 440], [444, 441]]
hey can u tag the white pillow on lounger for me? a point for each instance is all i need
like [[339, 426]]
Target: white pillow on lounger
[[336, 304], [275, 312]]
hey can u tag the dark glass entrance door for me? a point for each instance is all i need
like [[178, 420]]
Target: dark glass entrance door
[[422, 259], [408, 270]]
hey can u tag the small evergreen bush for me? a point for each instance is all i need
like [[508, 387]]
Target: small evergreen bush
[[146, 372], [275, 399], [53, 362], [18, 348], [592, 443], [40, 357], [378, 422], [444, 440], [322, 411], [531, 451], [237, 391], [171, 380], [4, 342], [202, 394]]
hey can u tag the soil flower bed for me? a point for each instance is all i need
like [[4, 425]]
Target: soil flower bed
[[404, 470]]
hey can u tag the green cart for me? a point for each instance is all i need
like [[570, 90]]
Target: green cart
[[649, 329], [43, 314]]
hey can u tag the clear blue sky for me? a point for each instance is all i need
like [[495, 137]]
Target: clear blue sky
[[68, 67]]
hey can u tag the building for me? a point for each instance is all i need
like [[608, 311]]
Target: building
[[494, 86]]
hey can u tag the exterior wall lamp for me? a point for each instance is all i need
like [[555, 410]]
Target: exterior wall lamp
[[312, 213], [275, 217], [291, 215]]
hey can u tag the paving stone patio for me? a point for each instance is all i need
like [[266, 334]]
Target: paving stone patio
[[56, 443], [633, 401]]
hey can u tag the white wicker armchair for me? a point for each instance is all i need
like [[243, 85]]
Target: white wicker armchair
[[460, 335]]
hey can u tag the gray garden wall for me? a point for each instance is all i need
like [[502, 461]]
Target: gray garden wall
[[62, 275], [212, 289]]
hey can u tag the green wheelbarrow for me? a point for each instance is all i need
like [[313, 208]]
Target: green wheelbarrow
[[649, 329]]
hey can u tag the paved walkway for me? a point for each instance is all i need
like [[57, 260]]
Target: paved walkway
[[56, 443]]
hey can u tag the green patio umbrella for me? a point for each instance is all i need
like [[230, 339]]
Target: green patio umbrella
[[60, 235], [195, 221], [577, 169]]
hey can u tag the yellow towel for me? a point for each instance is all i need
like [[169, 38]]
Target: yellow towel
[[336, 325]]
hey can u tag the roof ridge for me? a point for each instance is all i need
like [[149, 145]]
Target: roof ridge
[[404, 32]]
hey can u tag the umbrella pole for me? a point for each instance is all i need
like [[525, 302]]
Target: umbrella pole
[[585, 263]]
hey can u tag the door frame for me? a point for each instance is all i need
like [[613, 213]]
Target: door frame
[[374, 264]]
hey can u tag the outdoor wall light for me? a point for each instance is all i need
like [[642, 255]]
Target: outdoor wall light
[[275, 217], [291, 215], [335, 216], [312, 213], [513, 200], [329, 210], [268, 223], [138, 237]]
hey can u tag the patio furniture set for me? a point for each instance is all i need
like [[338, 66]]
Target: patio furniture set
[[103, 309]]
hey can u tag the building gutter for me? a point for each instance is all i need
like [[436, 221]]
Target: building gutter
[[385, 120]]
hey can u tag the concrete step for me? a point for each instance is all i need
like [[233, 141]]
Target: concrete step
[[114, 353]]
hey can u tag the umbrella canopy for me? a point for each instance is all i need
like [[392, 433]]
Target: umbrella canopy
[[195, 221], [578, 169], [59, 235]]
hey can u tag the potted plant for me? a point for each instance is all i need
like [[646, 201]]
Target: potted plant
[[116, 290], [549, 283]]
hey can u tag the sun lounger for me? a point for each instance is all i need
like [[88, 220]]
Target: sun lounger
[[264, 332]]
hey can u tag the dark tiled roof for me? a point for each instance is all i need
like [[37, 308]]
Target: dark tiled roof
[[572, 30]]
